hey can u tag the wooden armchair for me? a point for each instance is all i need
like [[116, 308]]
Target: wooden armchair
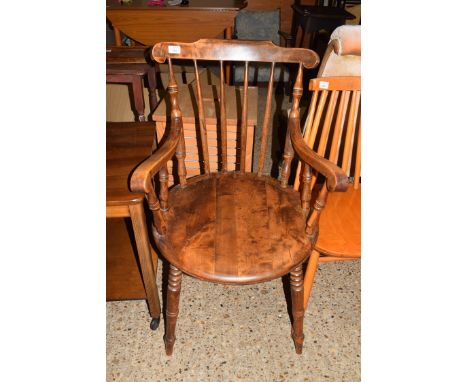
[[340, 237], [333, 130], [233, 227]]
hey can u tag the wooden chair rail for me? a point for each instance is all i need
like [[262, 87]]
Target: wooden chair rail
[[234, 50]]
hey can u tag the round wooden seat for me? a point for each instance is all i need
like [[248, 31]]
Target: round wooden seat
[[234, 228], [340, 225]]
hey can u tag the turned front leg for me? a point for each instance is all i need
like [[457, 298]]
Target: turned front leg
[[297, 297], [172, 310]]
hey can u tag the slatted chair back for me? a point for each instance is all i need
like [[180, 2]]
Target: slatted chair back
[[333, 131], [333, 125]]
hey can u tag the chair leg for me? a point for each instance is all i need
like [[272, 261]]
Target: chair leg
[[151, 75], [310, 275], [297, 297], [137, 215], [138, 97], [172, 310]]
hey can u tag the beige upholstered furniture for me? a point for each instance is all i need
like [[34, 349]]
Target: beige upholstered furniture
[[343, 54]]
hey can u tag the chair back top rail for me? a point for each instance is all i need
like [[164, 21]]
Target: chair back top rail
[[234, 50]]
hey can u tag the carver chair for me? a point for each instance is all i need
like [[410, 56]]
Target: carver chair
[[342, 58], [233, 227], [333, 130]]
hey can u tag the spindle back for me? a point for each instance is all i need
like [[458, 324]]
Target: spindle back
[[332, 127], [225, 51]]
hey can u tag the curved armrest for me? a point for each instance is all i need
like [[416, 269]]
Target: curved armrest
[[141, 177], [336, 177]]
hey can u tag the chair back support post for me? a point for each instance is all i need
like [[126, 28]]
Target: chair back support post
[[176, 119], [245, 110], [293, 115], [202, 121], [266, 121], [223, 122]]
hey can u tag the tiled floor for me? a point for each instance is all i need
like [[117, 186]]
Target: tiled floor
[[228, 333]]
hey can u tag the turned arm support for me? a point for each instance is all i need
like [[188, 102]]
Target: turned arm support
[[141, 177], [337, 179]]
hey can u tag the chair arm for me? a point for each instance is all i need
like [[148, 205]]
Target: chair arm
[[337, 179], [141, 177], [288, 38]]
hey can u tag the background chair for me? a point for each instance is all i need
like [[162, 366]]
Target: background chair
[[333, 130], [233, 227], [343, 54], [311, 19], [340, 226], [130, 65], [260, 26]]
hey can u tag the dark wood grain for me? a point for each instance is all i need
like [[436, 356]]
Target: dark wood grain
[[148, 24], [235, 227], [134, 78], [201, 117], [199, 5], [127, 145], [123, 277], [231, 228], [235, 50], [266, 121]]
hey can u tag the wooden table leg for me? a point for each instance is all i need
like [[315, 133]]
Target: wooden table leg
[[138, 97], [137, 215], [135, 80], [151, 75], [117, 37]]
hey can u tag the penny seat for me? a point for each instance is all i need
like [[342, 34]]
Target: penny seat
[[235, 228]]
